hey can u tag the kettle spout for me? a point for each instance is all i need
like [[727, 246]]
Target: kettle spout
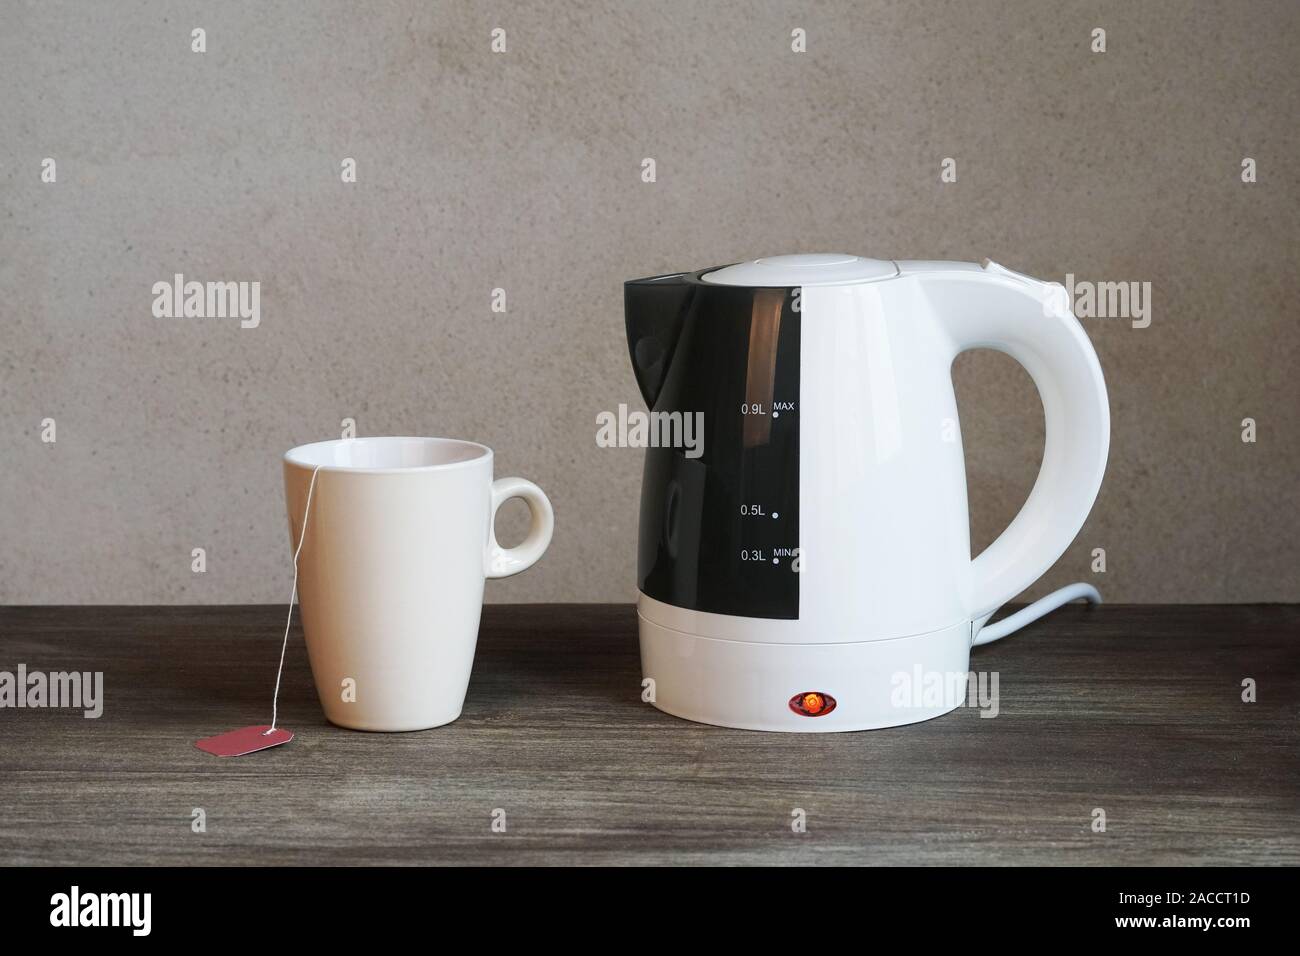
[[655, 310]]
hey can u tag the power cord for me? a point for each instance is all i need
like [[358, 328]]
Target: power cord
[[1046, 605]]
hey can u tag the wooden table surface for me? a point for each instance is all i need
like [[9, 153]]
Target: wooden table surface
[[1135, 710]]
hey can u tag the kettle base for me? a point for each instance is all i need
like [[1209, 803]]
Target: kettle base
[[805, 688]]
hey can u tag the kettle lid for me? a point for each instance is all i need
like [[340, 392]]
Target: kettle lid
[[802, 270]]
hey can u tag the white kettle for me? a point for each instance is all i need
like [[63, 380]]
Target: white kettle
[[804, 565]]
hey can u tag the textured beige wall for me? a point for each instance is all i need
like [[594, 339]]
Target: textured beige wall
[[522, 170]]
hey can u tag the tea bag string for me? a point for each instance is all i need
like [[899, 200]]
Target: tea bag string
[[293, 594]]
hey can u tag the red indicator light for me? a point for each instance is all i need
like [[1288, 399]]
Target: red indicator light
[[812, 703]]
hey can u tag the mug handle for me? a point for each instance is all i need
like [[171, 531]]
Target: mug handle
[[501, 562]]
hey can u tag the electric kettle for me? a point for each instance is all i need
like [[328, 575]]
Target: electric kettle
[[805, 565]]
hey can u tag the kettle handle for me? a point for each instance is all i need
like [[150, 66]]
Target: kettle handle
[[1032, 322]]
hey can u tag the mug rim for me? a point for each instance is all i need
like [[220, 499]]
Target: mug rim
[[294, 455]]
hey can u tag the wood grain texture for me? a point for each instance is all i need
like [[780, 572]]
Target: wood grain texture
[[1133, 709]]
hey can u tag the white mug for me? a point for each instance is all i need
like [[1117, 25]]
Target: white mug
[[398, 542]]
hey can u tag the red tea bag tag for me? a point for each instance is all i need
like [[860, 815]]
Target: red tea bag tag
[[245, 740], [249, 740]]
